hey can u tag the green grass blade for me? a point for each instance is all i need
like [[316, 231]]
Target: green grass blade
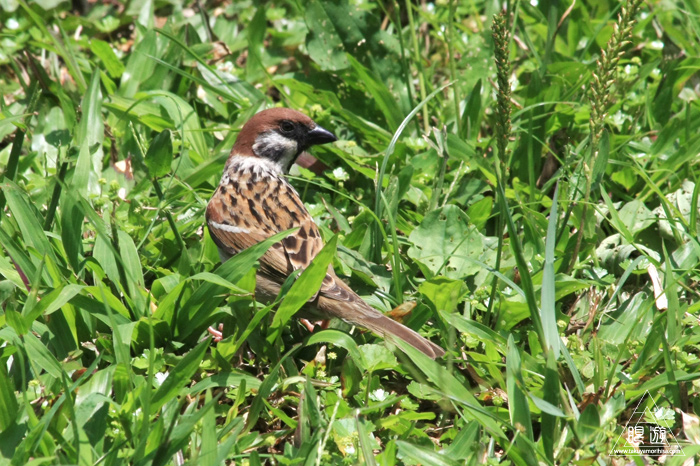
[[179, 377], [548, 300], [303, 289]]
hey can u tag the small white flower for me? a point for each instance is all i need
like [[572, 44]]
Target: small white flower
[[378, 395], [340, 174], [687, 94], [160, 377]]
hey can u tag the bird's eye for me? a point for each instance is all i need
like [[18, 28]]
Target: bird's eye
[[287, 126]]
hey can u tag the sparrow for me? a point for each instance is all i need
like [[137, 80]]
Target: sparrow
[[254, 201]]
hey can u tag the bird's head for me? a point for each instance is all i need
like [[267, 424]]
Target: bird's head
[[280, 135]]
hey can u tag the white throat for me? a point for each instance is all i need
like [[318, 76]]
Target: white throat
[[247, 164]]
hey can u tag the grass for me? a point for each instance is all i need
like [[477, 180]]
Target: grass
[[524, 184]]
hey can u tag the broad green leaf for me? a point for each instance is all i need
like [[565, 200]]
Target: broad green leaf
[[185, 119], [104, 255], [27, 218], [256, 34], [323, 41], [160, 155], [89, 137], [41, 356], [588, 424], [130, 259], [381, 95], [53, 301], [138, 111], [104, 52], [72, 218], [472, 113], [377, 357], [139, 66], [636, 216], [92, 402], [337, 338], [17, 321], [444, 243], [444, 293]]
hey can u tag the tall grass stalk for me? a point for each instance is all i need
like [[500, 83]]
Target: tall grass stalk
[[418, 61], [501, 39], [602, 99]]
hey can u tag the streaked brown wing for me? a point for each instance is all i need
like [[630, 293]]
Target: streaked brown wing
[[251, 208]]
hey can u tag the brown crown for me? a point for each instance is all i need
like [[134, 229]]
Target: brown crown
[[264, 121]]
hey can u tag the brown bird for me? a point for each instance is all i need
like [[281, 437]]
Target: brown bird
[[255, 201]]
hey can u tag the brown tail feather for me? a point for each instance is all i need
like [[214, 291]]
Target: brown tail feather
[[360, 313]]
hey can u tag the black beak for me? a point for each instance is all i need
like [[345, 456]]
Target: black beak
[[318, 136]]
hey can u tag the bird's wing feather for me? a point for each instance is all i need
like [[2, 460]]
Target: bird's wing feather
[[250, 208]]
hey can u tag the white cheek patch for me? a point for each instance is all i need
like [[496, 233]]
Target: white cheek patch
[[229, 228], [273, 142]]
